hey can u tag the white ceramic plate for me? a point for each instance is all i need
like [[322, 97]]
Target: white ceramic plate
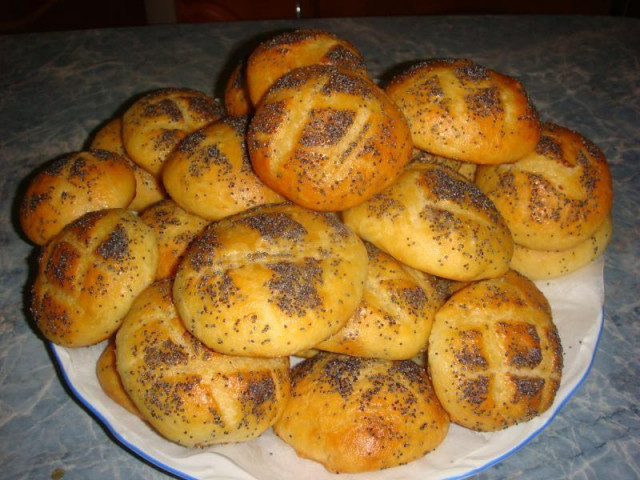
[[576, 300]]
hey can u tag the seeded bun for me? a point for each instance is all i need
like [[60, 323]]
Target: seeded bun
[[148, 189], [270, 281], [544, 264], [109, 379], [71, 186], [209, 174], [356, 415], [466, 169], [494, 354], [462, 110], [394, 318], [190, 394], [174, 229], [556, 197], [300, 48], [89, 275], [158, 121], [327, 139], [436, 221], [236, 94]]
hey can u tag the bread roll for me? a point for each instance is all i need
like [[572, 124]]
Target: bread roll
[[327, 139], [394, 318], [357, 415], [462, 110], [556, 197], [236, 93], [466, 169], [300, 48], [110, 382], [270, 281], [494, 354], [209, 174], [89, 275], [158, 121], [435, 220], [190, 394], [174, 229], [71, 186], [544, 264], [148, 189]]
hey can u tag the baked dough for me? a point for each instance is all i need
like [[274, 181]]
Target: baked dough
[[270, 281], [236, 94], [71, 186], [90, 274], [327, 139], [109, 379], [462, 110], [556, 197], [466, 169], [148, 189], [356, 415], [544, 264], [394, 318], [190, 394], [299, 48], [158, 121], [174, 229], [209, 174], [435, 220], [494, 354]]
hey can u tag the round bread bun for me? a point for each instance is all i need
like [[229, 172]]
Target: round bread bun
[[462, 110], [556, 197], [327, 139], [148, 189], [174, 229], [190, 394], [90, 274], [110, 382], [270, 281], [435, 220], [158, 121], [299, 48], [356, 415], [236, 94], [71, 186], [466, 169], [544, 264], [209, 174], [394, 318], [494, 354]]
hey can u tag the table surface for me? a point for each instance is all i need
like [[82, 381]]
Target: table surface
[[57, 88]]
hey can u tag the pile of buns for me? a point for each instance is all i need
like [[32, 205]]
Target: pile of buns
[[386, 238]]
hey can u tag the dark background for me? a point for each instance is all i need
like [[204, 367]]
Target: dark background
[[23, 16]]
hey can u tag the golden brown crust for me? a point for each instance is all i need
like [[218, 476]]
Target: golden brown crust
[[158, 121], [466, 169], [148, 189], [174, 229], [327, 139], [494, 354], [270, 281], [436, 221], [190, 394], [110, 382], [299, 48], [89, 275], [236, 94], [209, 174], [543, 264], [71, 186], [356, 415], [462, 110], [556, 197], [394, 318]]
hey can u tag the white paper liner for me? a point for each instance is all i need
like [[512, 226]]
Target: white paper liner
[[577, 303]]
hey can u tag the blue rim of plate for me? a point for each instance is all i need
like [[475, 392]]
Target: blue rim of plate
[[173, 471]]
